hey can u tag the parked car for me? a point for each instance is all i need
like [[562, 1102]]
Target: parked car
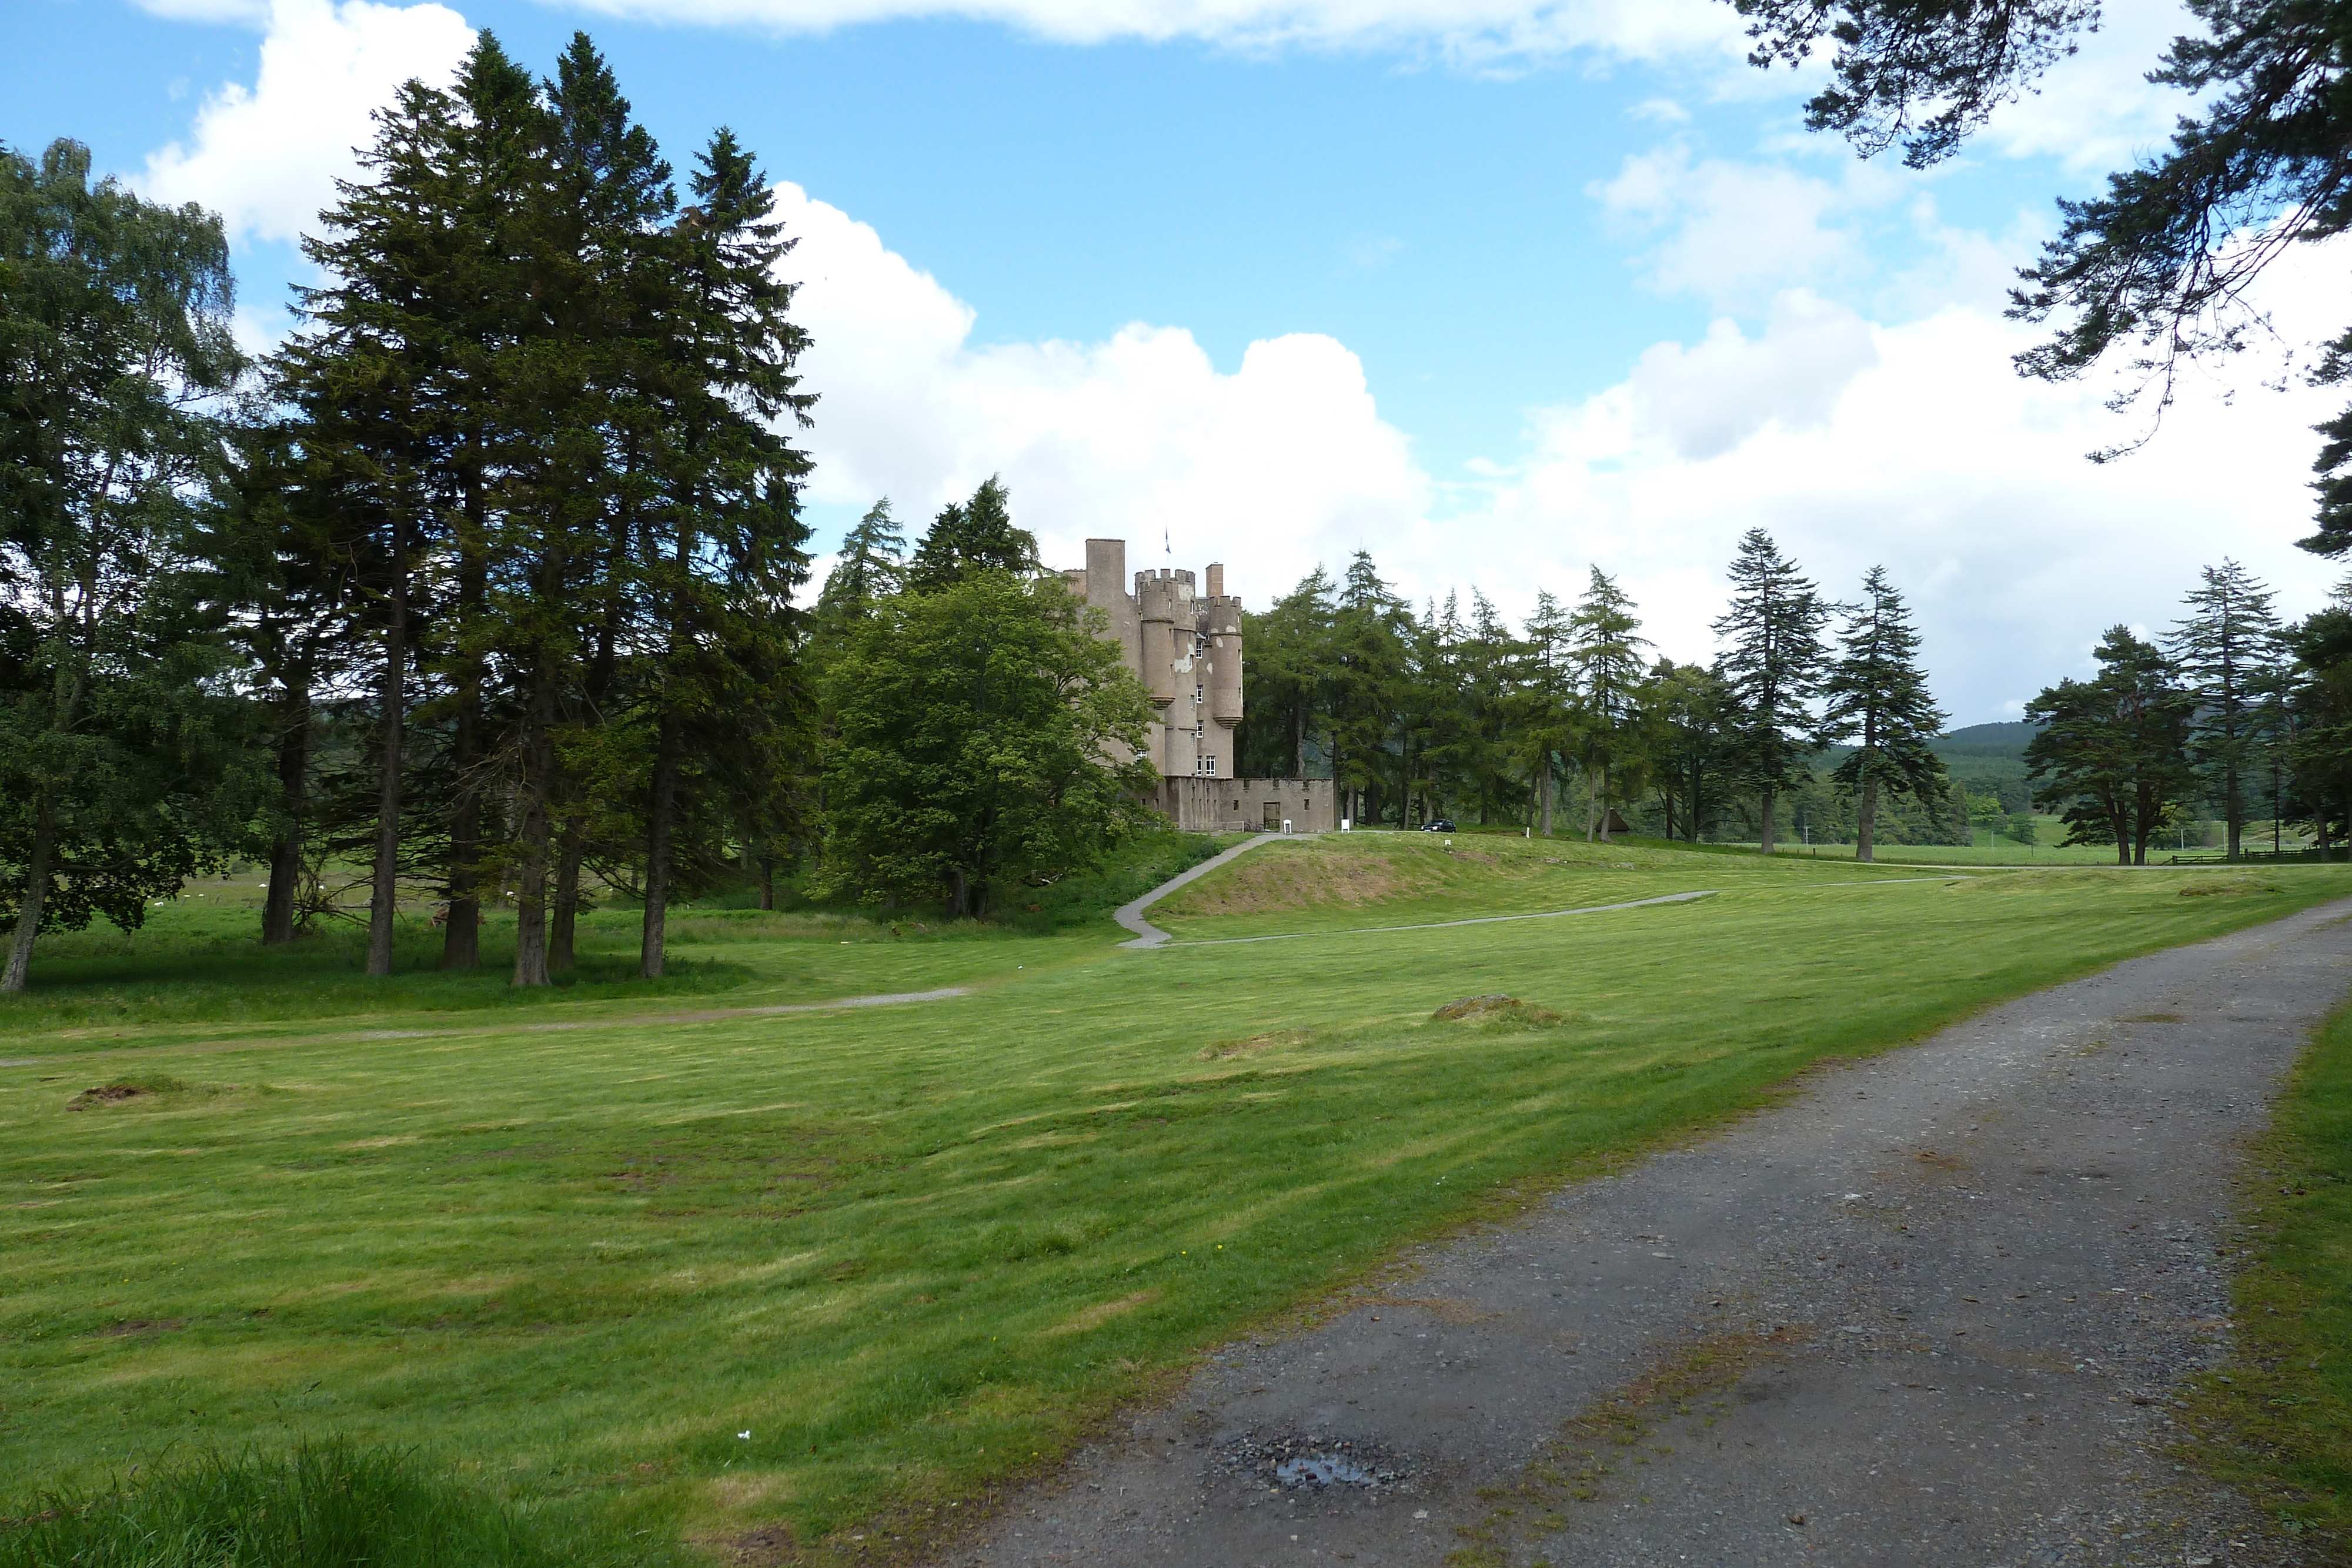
[[1443, 825]]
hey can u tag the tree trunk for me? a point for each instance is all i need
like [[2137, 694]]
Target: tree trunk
[[956, 891], [559, 950], [1771, 819], [532, 833], [767, 879], [1866, 821], [461, 932], [293, 789], [659, 828], [384, 895], [2233, 809], [461, 936], [1545, 790], [36, 894]]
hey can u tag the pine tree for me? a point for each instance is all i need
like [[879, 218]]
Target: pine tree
[[1876, 702], [1692, 709], [2227, 651], [1370, 659], [2320, 701], [872, 561], [1287, 675], [977, 535], [2112, 751], [1489, 660], [1772, 670], [732, 547], [1605, 660], [370, 385], [274, 553], [1543, 706]]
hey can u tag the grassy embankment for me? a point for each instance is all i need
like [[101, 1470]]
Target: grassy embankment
[[913, 1252]]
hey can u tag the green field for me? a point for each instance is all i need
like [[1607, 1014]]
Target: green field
[[911, 1250], [2278, 1420]]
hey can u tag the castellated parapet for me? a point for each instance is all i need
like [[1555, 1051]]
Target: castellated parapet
[[1185, 647]]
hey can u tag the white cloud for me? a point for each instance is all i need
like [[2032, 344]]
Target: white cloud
[[2097, 110], [1706, 400], [1734, 234], [266, 157], [1934, 458], [1139, 435]]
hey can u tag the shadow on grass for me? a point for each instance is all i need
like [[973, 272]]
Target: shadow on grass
[[200, 973]]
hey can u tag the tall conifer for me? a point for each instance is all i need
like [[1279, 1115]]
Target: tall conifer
[[1772, 668], [1877, 704], [2227, 649]]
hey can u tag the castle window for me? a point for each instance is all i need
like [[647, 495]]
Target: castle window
[[1205, 766], [1199, 695]]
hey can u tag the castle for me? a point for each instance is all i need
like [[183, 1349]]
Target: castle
[[1186, 648]]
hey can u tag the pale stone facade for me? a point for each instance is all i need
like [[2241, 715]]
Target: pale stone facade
[[1186, 646]]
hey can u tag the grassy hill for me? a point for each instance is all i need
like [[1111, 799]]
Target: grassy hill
[[1989, 759]]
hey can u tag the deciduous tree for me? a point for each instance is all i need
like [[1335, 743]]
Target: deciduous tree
[[972, 725], [124, 760], [2111, 756]]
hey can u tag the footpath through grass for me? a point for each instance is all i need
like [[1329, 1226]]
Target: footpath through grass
[[797, 1278]]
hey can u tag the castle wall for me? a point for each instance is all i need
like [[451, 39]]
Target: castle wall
[[1242, 805]]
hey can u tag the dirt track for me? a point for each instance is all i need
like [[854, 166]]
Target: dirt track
[[1937, 1305]]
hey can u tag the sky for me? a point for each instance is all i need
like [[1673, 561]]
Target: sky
[[1500, 291]]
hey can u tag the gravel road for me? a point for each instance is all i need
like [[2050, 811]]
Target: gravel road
[[1930, 1311]]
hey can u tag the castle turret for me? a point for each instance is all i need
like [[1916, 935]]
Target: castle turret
[[1103, 584], [1221, 624]]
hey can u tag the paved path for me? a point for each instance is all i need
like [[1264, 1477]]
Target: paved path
[[1949, 1291]]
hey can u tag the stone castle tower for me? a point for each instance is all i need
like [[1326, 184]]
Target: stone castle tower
[[1186, 646]]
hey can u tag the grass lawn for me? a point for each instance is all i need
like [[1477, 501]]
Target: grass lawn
[[2278, 1419], [910, 1252]]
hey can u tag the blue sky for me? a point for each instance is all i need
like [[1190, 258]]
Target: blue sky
[[1532, 287]]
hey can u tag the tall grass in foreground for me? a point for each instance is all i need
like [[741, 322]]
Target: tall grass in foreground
[[2281, 1426], [325, 1505]]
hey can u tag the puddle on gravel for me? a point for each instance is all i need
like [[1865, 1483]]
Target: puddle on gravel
[[1298, 1462], [1324, 1469]]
